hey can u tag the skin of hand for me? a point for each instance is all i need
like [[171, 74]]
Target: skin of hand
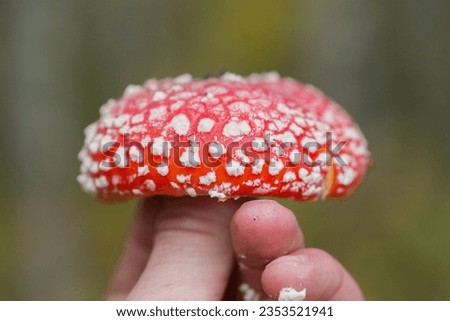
[[201, 249]]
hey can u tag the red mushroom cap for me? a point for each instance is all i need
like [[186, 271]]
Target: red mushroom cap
[[224, 137]]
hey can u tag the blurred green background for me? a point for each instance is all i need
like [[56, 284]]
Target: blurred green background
[[386, 62]]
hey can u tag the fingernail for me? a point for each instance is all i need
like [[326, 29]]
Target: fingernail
[[292, 259]]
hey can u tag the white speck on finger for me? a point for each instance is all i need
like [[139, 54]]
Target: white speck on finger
[[290, 294]]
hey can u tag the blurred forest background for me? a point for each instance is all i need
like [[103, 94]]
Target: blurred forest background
[[386, 62]]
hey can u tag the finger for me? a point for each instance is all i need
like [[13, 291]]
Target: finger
[[261, 231], [136, 251], [192, 256], [309, 274]]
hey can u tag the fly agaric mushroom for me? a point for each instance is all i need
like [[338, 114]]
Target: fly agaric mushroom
[[224, 137]]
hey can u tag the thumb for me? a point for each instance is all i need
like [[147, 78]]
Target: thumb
[[192, 256]]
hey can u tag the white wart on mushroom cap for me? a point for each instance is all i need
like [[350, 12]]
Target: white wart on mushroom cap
[[224, 137]]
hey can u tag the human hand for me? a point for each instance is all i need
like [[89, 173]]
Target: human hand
[[187, 249]]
